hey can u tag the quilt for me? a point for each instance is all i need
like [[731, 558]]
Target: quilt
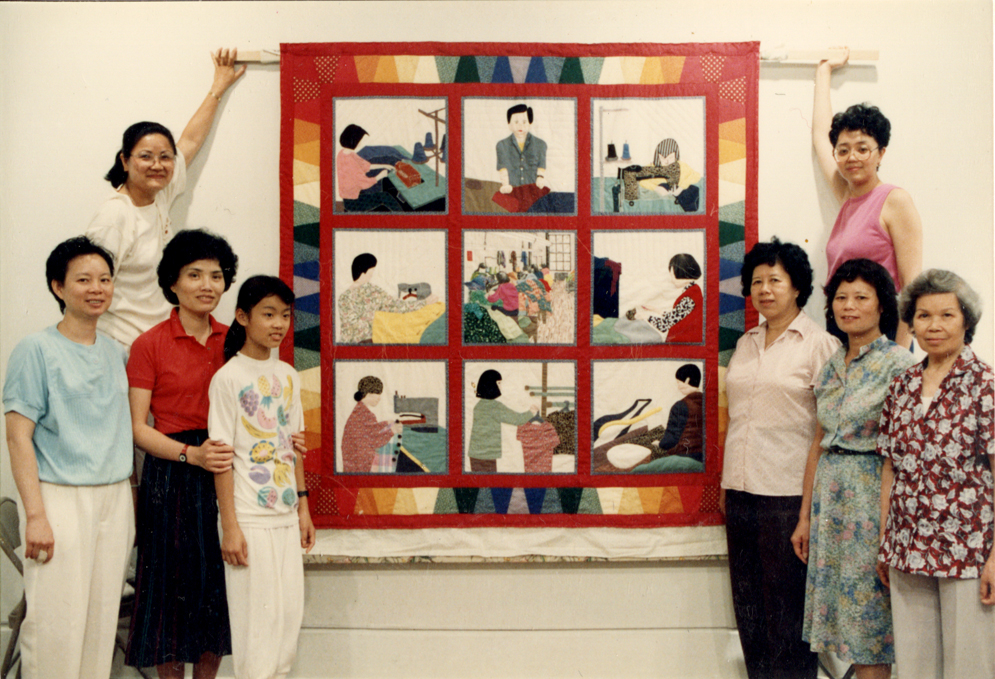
[[517, 277]]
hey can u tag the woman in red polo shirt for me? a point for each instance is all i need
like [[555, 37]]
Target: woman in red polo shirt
[[181, 611]]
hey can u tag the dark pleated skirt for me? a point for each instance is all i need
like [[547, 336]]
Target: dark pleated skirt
[[181, 611]]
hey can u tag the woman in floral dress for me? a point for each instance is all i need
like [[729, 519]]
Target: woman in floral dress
[[936, 489], [847, 608]]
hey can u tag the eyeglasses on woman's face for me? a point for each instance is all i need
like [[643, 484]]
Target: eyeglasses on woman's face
[[860, 152]]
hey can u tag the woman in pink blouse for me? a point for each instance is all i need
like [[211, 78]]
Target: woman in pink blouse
[[772, 422], [877, 221], [936, 489]]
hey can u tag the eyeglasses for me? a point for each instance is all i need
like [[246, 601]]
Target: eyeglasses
[[147, 158], [861, 153]]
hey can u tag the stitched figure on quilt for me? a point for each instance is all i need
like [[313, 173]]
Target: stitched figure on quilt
[[682, 323], [667, 176], [361, 192], [521, 163], [363, 435], [489, 414], [358, 305], [684, 425]]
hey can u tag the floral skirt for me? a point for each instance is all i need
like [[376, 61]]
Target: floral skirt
[[847, 608]]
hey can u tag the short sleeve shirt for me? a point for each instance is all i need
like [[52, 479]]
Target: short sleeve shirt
[[77, 396], [850, 398], [940, 519], [772, 407], [177, 369]]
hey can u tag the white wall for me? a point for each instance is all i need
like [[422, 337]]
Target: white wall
[[74, 75]]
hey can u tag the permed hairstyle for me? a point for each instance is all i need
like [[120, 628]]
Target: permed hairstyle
[[861, 118], [790, 256], [361, 264], [117, 175], [368, 385], [875, 276], [939, 282], [684, 266], [664, 149], [254, 290], [520, 108], [689, 373], [191, 246], [487, 385], [57, 264], [351, 136]]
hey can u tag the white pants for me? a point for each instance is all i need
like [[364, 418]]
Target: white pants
[[942, 630], [266, 603], [74, 599]]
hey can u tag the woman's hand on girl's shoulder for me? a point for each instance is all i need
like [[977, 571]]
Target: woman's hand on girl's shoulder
[[214, 456]]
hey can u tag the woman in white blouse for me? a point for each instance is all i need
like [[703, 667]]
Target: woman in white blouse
[[149, 171], [771, 424]]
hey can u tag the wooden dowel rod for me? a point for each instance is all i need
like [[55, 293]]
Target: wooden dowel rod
[[259, 56], [815, 56]]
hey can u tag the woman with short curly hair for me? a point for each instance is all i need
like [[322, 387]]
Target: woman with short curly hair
[[877, 221]]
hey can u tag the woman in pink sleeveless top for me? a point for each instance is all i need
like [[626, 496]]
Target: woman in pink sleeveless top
[[877, 221]]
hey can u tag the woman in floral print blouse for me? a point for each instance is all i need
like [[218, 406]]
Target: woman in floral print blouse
[[936, 489]]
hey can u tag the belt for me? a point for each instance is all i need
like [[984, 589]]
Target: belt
[[836, 450]]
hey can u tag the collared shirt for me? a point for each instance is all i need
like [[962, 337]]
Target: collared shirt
[[772, 407], [523, 163], [940, 520], [177, 369], [850, 398]]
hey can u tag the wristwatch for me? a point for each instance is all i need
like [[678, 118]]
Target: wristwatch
[[183, 453], [303, 493]]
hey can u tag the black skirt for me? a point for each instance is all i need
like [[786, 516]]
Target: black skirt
[[181, 610]]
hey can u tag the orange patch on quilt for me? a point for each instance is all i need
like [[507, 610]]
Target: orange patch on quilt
[[365, 502], [305, 131], [630, 502], [730, 151], [734, 130], [386, 71], [632, 69], [650, 498], [404, 503], [662, 71], [407, 66], [312, 421], [309, 152], [384, 499], [312, 439], [366, 67], [670, 501]]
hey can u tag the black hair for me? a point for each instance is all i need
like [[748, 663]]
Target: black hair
[[57, 264], [939, 282], [861, 118], [689, 373], [502, 277], [520, 108], [190, 246], [254, 290], [684, 266], [351, 136], [368, 385], [117, 175], [878, 278], [487, 385], [788, 255], [664, 149], [361, 264]]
